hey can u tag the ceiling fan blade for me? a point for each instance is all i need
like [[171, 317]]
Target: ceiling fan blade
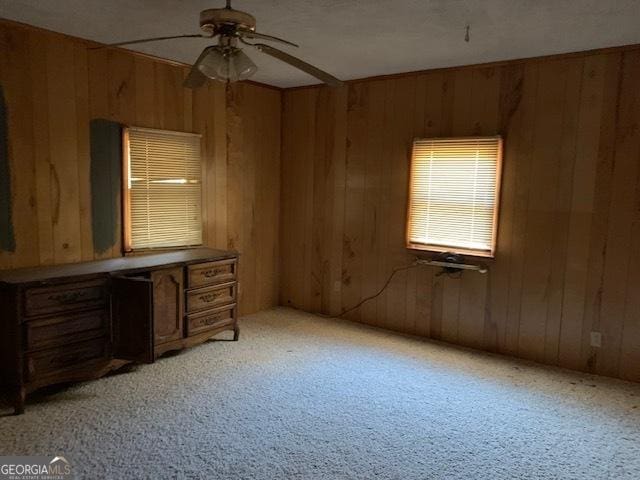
[[154, 39], [299, 64], [261, 36], [196, 78]]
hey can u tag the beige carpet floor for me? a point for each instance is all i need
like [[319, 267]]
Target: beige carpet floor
[[302, 397]]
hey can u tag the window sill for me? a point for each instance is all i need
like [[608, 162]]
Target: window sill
[[465, 262], [431, 251]]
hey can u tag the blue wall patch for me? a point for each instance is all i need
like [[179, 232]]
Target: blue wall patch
[[106, 181], [7, 236]]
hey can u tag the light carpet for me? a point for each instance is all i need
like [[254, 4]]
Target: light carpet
[[302, 397]]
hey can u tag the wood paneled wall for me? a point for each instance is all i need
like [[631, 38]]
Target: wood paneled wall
[[54, 85], [253, 118], [568, 254]]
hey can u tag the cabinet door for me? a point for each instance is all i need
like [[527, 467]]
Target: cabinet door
[[168, 312], [132, 313]]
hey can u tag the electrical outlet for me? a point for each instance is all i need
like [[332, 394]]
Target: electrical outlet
[[596, 339], [337, 285]]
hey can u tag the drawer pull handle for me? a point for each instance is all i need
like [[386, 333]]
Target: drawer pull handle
[[211, 320], [210, 297], [214, 272]]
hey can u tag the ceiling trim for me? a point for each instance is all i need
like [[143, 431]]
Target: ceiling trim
[[94, 44], [558, 56], [499, 63]]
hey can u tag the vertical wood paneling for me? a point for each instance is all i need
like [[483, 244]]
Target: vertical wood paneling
[[240, 199], [63, 145], [15, 72], [562, 205], [253, 189], [622, 213], [268, 204], [601, 210], [310, 283], [519, 158], [38, 86], [320, 169], [337, 183], [547, 136], [145, 87], [630, 350], [267, 207], [287, 214], [81, 74], [382, 219], [400, 115], [376, 172], [567, 255], [580, 212], [219, 207], [360, 98], [55, 85]]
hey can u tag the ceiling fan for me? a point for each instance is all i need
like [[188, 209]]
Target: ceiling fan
[[226, 61]]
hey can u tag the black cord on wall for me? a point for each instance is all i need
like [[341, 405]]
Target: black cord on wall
[[371, 297], [451, 272]]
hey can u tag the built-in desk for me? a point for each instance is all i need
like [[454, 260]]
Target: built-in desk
[[79, 321]]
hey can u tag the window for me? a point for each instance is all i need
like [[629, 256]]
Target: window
[[162, 189], [453, 195]]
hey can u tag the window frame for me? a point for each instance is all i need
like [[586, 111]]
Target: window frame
[[433, 248], [127, 247]]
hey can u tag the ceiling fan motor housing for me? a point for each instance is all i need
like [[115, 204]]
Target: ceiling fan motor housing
[[214, 19]]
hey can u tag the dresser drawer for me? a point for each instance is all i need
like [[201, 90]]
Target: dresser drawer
[[65, 297], [63, 330], [210, 319], [211, 273], [64, 358], [211, 297]]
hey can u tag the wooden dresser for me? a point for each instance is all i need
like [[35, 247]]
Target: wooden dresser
[[79, 321]]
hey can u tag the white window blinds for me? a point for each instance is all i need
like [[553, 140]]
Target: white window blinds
[[163, 190], [454, 192]]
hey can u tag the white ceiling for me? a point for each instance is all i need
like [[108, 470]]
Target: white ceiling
[[355, 38]]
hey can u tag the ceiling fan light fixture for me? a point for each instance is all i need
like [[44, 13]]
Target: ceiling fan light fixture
[[242, 65], [227, 64]]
